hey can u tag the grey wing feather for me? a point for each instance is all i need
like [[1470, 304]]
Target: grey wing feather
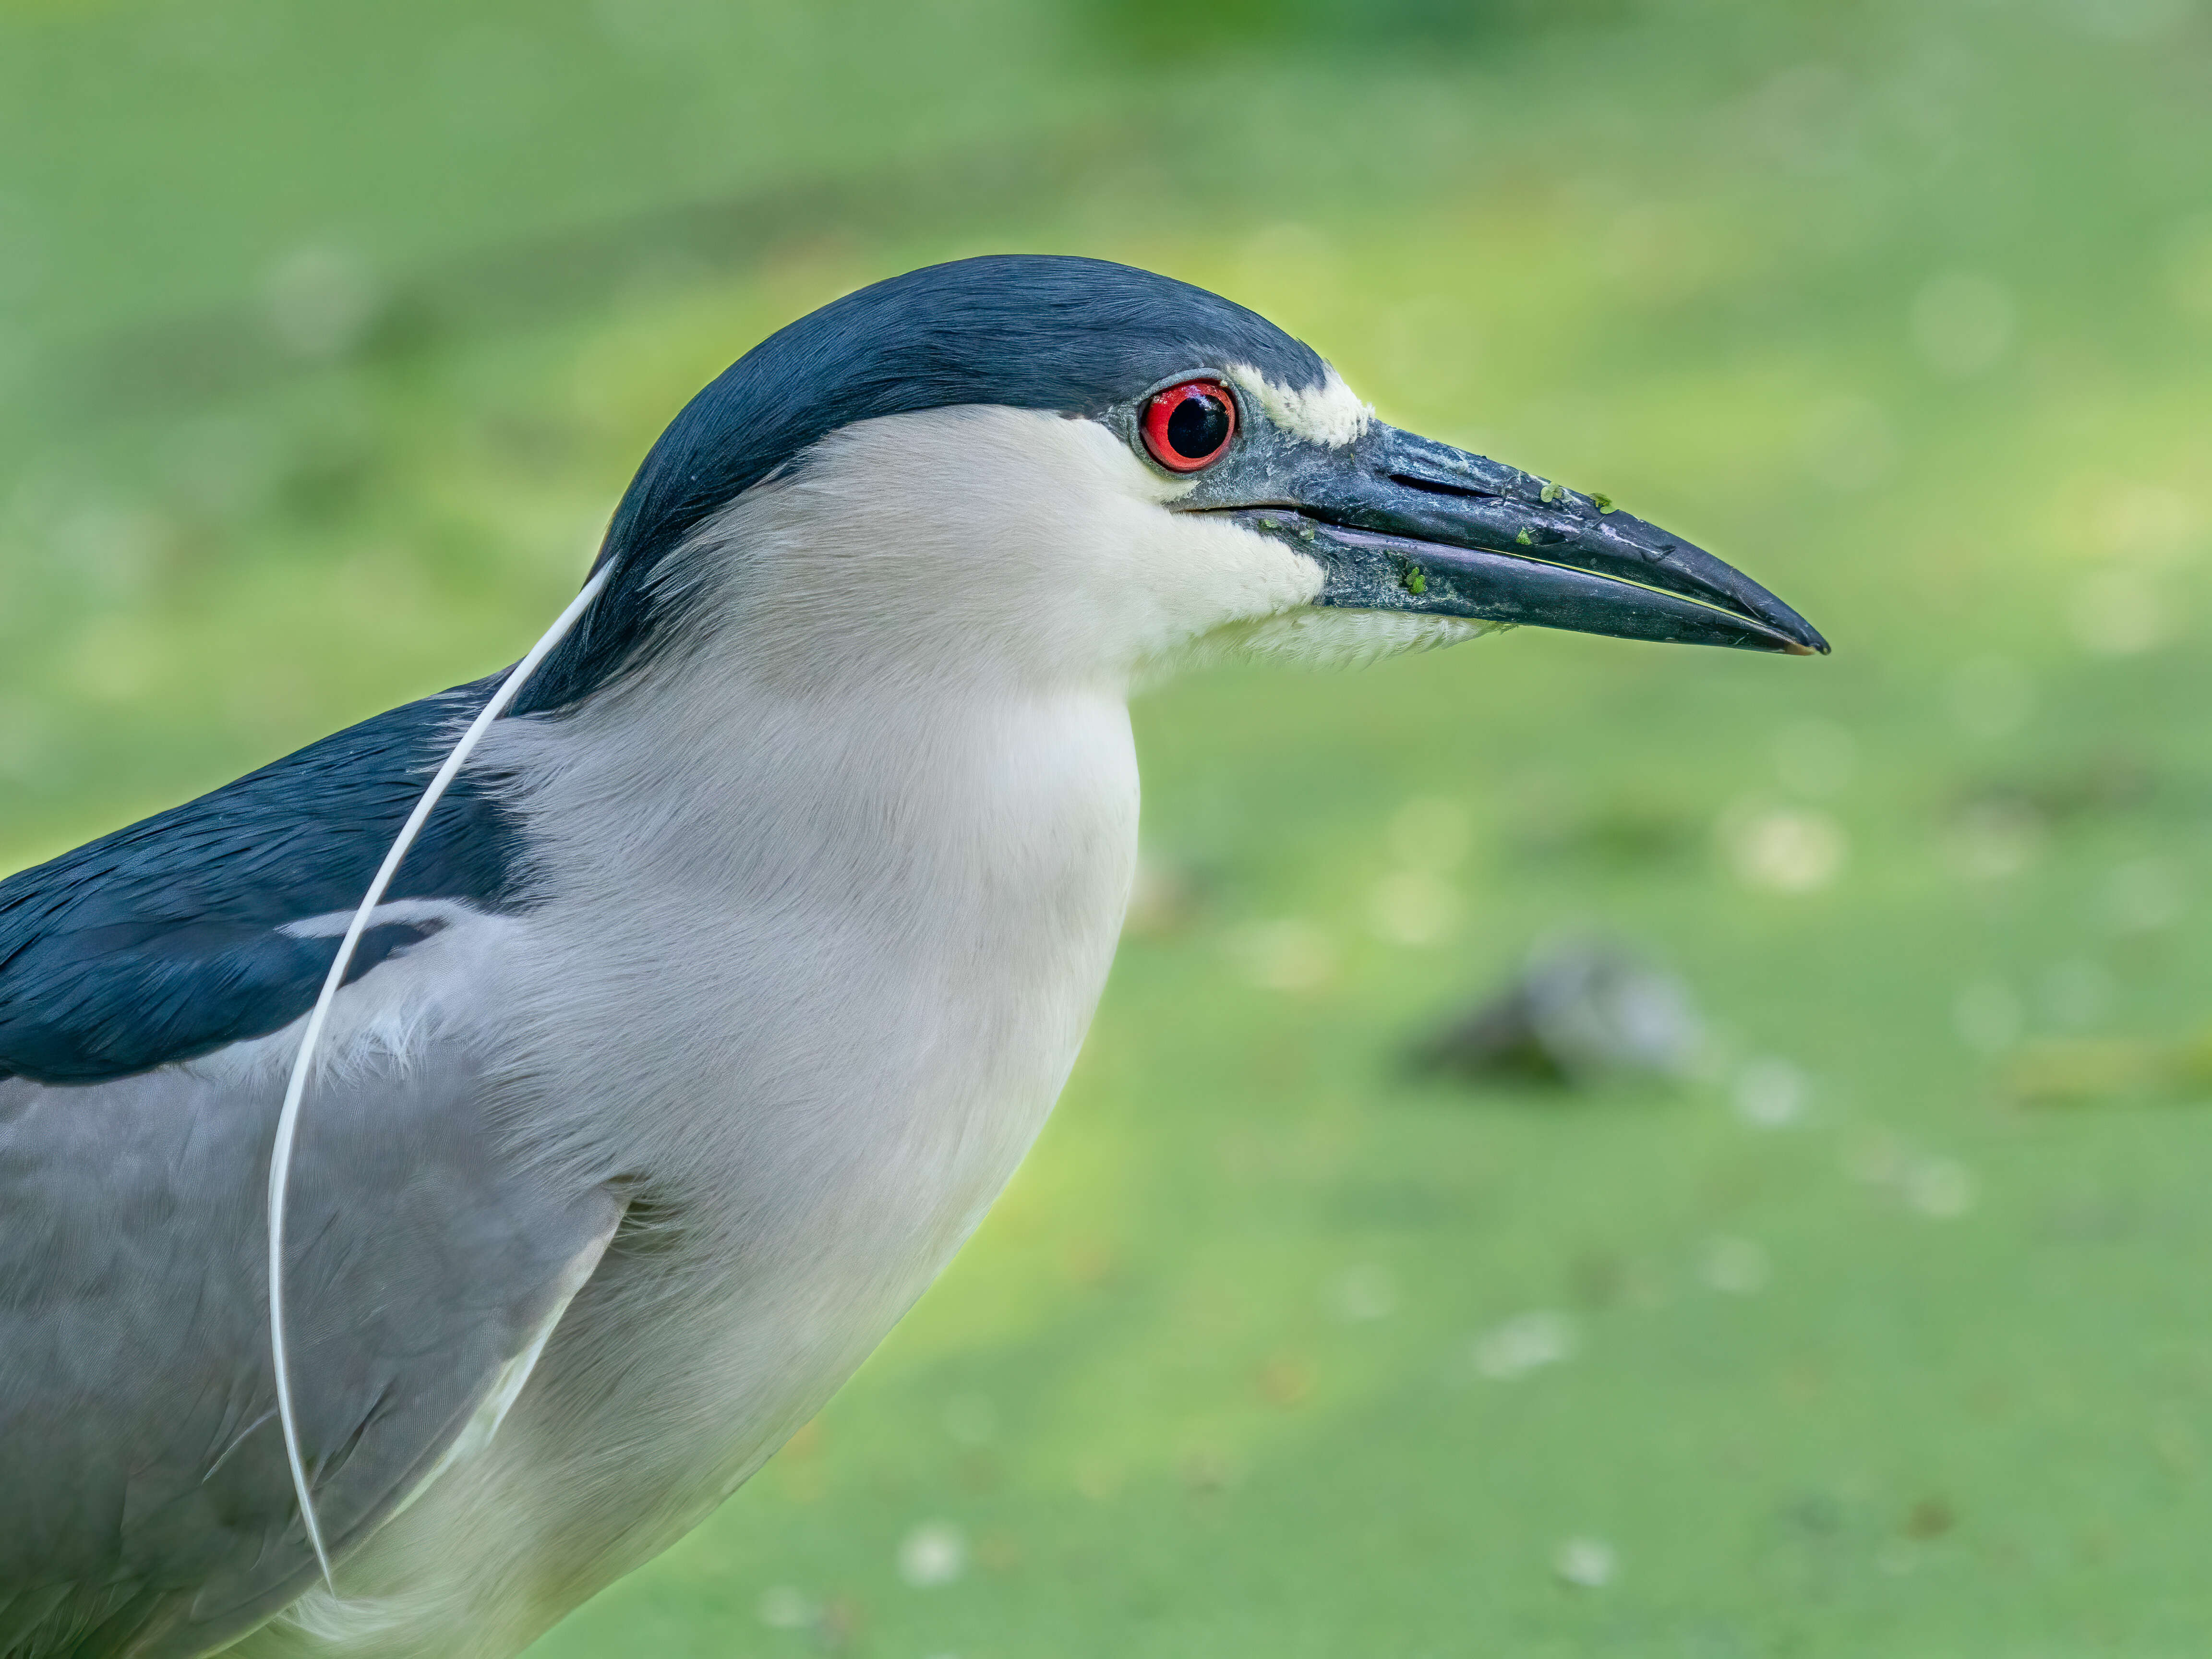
[[146, 1508]]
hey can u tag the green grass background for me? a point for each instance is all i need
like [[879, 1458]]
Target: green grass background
[[329, 333]]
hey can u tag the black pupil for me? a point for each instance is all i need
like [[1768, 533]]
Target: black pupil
[[1198, 425]]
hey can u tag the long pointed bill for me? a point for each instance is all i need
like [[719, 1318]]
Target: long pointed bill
[[1403, 523]]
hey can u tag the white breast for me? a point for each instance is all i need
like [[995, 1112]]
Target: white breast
[[822, 1013]]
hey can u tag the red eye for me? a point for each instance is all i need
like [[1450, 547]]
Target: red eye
[[1189, 426]]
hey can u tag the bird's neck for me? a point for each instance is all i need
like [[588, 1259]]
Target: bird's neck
[[890, 910], [709, 776]]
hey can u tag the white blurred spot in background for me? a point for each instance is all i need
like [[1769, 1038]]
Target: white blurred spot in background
[[1412, 909], [2151, 525], [1735, 1267], [1585, 1562], [1941, 1189], [933, 1554], [1360, 1293], [1771, 1094], [1526, 1342], [2120, 613], [783, 1607], [1783, 849]]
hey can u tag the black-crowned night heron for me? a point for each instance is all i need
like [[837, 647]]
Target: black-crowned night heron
[[723, 989]]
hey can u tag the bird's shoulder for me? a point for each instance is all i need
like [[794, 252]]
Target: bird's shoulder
[[208, 924]]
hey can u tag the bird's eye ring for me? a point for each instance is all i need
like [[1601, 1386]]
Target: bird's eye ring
[[1189, 426]]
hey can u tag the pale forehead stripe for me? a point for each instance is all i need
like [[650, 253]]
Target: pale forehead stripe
[[1327, 414]]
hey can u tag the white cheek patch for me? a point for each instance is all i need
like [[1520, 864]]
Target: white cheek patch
[[939, 541], [1325, 414]]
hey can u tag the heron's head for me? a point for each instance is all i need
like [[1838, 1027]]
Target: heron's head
[[1064, 470]]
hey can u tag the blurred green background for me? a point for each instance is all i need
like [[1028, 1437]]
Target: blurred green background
[[329, 332]]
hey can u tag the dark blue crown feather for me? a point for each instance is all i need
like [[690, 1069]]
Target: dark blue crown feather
[[160, 943]]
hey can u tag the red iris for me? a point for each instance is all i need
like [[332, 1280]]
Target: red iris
[[1189, 426]]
